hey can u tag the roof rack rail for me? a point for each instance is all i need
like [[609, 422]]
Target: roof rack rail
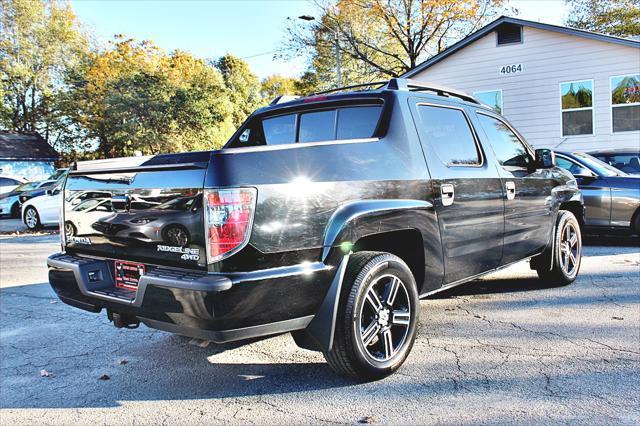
[[416, 86], [353, 86], [284, 98]]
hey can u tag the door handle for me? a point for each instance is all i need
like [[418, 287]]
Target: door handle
[[448, 194], [511, 190]]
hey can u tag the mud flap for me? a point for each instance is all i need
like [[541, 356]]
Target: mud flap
[[318, 335]]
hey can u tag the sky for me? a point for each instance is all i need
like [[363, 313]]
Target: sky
[[250, 29]]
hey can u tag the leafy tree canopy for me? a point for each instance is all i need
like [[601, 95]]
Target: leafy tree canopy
[[614, 17]]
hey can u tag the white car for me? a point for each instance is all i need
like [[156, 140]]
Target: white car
[[9, 183], [43, 210], [79, 219]]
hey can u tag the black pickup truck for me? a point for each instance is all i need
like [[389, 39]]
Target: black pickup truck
[[327, 216]]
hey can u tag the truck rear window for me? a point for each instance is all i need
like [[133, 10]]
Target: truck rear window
[[342, 123]]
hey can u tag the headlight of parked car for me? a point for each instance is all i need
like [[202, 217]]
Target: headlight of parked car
[[143, 220]]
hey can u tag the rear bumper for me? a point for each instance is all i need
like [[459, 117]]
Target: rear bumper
[[217, 307]]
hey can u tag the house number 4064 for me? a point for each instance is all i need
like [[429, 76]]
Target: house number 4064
[[511, 69]]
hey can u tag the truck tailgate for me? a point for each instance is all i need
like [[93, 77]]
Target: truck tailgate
[[152, 214]]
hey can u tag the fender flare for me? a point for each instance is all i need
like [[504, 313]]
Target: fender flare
[[356, 219], [348, 223]]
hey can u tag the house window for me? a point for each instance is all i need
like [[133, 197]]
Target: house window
[[509, 34], [577, 108], [492, 98], [625, 103]]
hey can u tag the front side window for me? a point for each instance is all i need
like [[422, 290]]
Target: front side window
[[509, 150], [491, 98], [577, 108], [570, 166], [448, 132], [625, 103]]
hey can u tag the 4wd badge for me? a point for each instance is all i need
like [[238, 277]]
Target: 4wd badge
[[187, 253]]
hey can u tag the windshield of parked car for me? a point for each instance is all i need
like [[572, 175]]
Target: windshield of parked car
[[26, 186], [183, 203], [603, 169]]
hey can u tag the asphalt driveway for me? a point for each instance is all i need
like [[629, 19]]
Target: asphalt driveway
[[501, 350]]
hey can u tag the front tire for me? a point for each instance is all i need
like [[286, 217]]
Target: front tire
[[377, 317], [566, 256], [32, 219]]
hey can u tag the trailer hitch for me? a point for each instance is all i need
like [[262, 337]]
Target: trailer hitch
[[123, 320]]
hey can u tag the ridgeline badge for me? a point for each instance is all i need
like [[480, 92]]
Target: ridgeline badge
[[187, 253]]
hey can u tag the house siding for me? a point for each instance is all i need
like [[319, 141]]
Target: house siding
[[531, 99]]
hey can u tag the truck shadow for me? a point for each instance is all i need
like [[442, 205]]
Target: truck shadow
[[76, 348]]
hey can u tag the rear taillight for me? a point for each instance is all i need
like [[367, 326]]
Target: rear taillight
[[229, 215]]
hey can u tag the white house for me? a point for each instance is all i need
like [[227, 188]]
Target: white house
[[561, 87]]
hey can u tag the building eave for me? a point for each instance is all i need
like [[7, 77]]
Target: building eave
[[505, 19]]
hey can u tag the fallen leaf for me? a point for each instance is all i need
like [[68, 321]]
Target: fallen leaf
[[53, 302], [44, 373], [123, 362], [104, 377], [367, 420], [617, 318]]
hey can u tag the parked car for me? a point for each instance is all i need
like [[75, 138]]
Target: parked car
[[10, 202], [611, 197], [625, 160], [8, 183], [51, 182], [328, 217], [81, 217], [43, 210], [165, 223]]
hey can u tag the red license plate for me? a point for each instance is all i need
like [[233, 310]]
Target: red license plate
[[128, 274]]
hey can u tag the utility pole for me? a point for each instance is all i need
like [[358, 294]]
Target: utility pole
[[337, 47]]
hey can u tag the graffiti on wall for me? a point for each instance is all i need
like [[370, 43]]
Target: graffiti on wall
[[30, 170]]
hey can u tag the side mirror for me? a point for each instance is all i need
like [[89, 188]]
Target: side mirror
[[545, 158], [54, 191]]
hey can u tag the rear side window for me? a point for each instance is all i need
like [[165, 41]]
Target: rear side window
[[279, 130], [507, 146], [449, 133]]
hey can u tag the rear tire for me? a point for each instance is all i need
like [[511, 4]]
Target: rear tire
[[567, 252], [32, 218], [70, 229], [15, 210], [377, 317]]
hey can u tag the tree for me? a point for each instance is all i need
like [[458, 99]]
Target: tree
[[134, 97], [277, 85], [615, 17], [39, 40], [242, 86], [380, 39]]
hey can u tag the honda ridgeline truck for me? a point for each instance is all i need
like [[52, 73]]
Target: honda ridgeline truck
[[327, 216]]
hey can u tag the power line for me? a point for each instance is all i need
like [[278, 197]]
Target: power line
[[259, 54]]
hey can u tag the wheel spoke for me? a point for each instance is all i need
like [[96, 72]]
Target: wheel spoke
[[391, 290], [572, 258], [574, 240], [388, 343], [370, 332], [374, 300], [567, 233], [401, 318]]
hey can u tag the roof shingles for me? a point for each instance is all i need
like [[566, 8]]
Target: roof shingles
[[25, 147]]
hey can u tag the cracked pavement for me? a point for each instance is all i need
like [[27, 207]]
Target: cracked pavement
[[503, 349]]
